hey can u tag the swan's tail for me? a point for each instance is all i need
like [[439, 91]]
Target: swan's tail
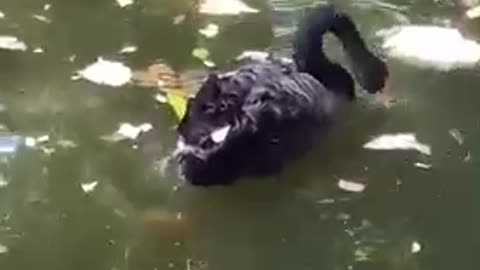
[[368, 70]]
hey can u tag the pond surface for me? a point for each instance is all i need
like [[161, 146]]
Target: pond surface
[[69, 199]]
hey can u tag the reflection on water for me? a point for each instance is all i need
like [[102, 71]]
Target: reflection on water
[[70, 199]]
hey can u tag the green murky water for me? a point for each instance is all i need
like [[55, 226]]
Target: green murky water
[[75, 201]]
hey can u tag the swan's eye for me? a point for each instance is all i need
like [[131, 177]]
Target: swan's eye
[[223, 107], [254, 101], [208, 108]]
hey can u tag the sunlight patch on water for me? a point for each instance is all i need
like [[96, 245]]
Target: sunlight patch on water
[[430, 46]]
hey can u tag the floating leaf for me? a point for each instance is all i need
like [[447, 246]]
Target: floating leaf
[[107, 72], [225, 7], [201, 53], [401, 141], [41, 18], [128, 131], [129, 49], [351, 186], [12, 43], [124, 3], [178, 103], [456, 135], [416, 247], [38, 50], [209, 63], [89, 187], [161, 98], [210, 31], [423, 165]]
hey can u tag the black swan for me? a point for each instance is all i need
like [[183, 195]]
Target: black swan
[[250, 122]]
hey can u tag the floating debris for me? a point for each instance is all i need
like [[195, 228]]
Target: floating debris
[[12, 43], [457, 135], [219, 135], [2, 15], [416, 247], [89, 187], [107, 72], [423, 165], [210, 31], [400, 141], [225, 7], [351, 186], [431, 46], [47, 7]]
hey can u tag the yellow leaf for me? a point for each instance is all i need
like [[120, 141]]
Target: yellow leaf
[[201, 53], [178, 103]]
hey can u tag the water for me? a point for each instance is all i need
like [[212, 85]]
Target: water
[[74, 201]]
